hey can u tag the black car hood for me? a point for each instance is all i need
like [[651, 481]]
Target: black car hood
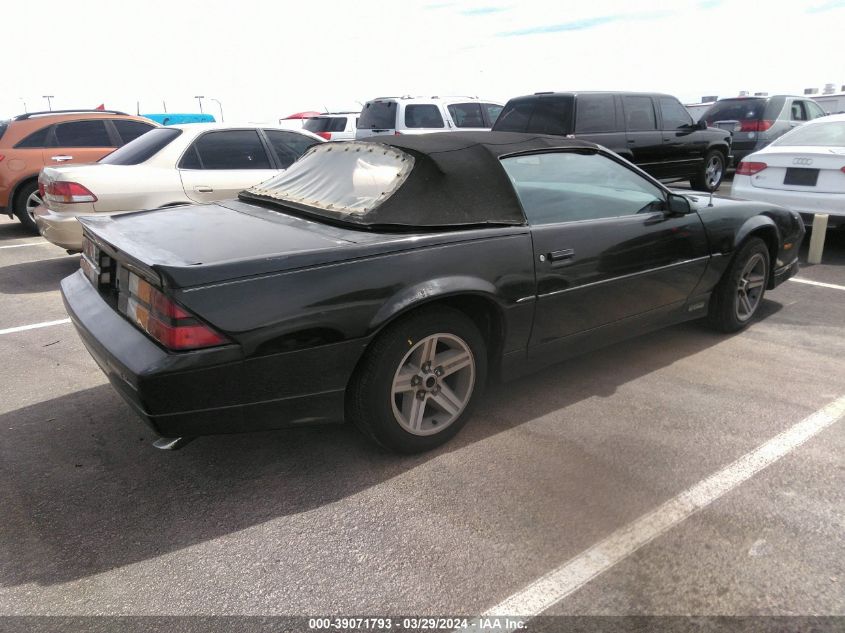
[[202, 244]]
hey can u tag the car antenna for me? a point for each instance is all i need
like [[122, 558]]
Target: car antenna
[[710, 201]]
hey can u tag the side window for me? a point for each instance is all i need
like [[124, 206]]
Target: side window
[[595, 113], [674, 114], [82, 134], [493, 112], [814, 109], [798, 113], [130, 130], [639, 113], [289, 146], [36, 139], [466, 114], [229, 149], [571, 186], [423, 115]]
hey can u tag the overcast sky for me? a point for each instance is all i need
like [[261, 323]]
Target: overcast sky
[[266, 59]]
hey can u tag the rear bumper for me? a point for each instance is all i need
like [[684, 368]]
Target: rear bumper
[[208, 391], [806, 203], [62, 229]]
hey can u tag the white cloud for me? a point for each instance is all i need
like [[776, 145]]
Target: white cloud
[[268, 59]]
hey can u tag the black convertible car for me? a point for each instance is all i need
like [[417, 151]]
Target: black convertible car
[[383, 282]]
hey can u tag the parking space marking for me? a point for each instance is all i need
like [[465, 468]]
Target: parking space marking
[[41, 243], [578, 571], [33, 326], [817, 283]]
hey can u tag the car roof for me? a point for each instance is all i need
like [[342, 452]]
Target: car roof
[[23, 125], [195, 129], [568, 93], [456, 179], [434, 99]]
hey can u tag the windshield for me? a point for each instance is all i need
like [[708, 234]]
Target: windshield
[[142, 148], [341, 179], [830, 134], [539, 115], [378, 115], [735, 110]]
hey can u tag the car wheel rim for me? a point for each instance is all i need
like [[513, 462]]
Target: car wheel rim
[[433, 384], [752, 282], [32, 202], [713, 172]]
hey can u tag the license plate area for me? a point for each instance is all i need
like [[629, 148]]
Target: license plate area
[[801, 177]]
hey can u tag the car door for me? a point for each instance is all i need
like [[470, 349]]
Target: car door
[[644, 140], [684, 145], [797, 114], [467, 116], [78, 142], [606, 250], [221, 163]]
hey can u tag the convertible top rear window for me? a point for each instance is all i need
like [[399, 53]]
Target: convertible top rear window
[[341, 179]]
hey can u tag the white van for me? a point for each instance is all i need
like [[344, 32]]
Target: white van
[[422, 115]]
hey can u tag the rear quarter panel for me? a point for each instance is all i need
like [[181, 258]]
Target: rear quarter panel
[[355, 298]]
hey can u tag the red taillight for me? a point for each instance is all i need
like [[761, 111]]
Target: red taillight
[[68, 192], [749, 168], [166, 321], [1, 158], [753, 125], [397, 133], [842, 170], [41, 189], [325, 135]]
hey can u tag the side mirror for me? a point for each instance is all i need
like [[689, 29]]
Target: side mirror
[[678, 205], [701, 124]]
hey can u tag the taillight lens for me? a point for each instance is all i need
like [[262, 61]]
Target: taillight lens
[[749, 168], [166, 321], [753, 125], [1, 158], [325, 135], [68, 192]]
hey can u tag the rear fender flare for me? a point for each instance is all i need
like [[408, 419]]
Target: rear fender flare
[[426, 292]]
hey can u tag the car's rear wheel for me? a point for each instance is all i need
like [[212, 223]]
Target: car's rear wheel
[[26, 200], [710, 175], [419, 380], [739, 294]]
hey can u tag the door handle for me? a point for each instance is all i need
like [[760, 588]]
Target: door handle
[[562, 255], [61, 158], [631, 141], [203, 189]]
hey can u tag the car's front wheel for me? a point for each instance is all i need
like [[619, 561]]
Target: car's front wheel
[[710, 174], [25, 203], [417, 383], [739, 294]]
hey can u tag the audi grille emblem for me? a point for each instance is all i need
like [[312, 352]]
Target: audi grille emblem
[[802, 161]]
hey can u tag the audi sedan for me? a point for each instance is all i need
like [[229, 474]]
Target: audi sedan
[[383, 282], [803, 170]]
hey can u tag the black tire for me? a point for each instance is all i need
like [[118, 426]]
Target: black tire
[[704, 180], [19, 205], [725, 312], [370, 395]]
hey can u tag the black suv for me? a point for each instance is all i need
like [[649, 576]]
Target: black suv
[[654, 131]]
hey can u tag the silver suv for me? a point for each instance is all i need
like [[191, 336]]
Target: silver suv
[[755, 122], [421, 115]]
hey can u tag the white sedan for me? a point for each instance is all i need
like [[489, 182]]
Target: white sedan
[[804, 170], [165, 167]]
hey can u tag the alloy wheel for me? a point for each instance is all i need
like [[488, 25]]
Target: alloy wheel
[[433, 384], [713, 172], [750, 287], [34, 200]]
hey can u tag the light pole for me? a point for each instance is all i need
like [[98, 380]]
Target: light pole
[[24, 105], [199, 99], [49, 102], [219, 105]]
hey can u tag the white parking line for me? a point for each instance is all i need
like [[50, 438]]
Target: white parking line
[[816, 283], [571, 576], [41, 243], [33, 326]]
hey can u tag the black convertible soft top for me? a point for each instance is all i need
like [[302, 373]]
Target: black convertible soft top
[[456, 180]]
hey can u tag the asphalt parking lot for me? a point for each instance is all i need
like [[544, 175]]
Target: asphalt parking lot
[[95, 521]]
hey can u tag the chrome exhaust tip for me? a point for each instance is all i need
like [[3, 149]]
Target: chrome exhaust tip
[[171, 443]]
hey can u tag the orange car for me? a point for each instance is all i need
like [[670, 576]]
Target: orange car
[[30, 141]]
